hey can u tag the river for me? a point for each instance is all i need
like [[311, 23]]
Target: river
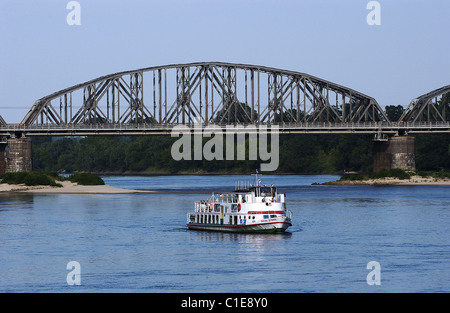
[[139, 242]]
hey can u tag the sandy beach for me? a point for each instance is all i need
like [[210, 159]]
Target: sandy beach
[[69, 188], [73, 188], [413, 181]]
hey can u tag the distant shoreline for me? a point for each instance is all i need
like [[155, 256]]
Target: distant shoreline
[[74, 188], [390, 181], [201, 173], [69, 188]]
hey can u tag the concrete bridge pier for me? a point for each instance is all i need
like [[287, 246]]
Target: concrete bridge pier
[[394, 152], [15, 155]]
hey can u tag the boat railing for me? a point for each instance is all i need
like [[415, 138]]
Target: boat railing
[[201, 206], [190, 218], [224, 197]]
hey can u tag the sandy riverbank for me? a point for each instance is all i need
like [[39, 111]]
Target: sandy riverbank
[[69, 188], [413, 181]]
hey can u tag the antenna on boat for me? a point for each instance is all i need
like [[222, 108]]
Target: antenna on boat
[[256, 177]]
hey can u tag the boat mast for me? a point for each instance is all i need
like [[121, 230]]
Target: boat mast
[[256, 177], [257, 184]]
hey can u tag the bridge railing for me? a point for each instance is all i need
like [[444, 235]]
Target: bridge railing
[[328, 126]]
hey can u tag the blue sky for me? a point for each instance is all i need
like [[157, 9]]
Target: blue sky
[[404, 57]]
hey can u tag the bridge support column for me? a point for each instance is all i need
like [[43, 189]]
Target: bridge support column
[[15, 155], [396, 152]]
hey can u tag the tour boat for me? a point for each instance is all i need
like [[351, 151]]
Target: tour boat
[[256, 209]]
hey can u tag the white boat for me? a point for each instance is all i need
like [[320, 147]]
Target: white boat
[[259, 209]]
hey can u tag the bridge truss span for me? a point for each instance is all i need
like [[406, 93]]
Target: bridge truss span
[[205, 93], [428, 107]]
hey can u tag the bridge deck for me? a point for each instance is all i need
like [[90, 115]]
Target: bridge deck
[[283, 128]]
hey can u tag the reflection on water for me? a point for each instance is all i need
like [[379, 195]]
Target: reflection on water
[[11, 201], [241, 238]]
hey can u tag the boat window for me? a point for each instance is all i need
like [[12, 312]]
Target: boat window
[[267, 191]]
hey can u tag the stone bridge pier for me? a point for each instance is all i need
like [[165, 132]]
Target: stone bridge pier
[[395, 152], [15, 154]]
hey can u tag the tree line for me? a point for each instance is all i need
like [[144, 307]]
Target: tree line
[[297, 154]]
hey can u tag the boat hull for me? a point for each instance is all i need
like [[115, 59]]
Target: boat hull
[[275, 227]]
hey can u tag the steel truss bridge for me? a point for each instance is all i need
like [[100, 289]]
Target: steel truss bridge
[[153, 100]]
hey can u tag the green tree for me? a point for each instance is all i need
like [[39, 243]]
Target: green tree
[[443, 106], [432, 151], [236, 113], [394, 112]]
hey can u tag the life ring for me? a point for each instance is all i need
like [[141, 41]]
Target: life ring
[[239, 207]]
